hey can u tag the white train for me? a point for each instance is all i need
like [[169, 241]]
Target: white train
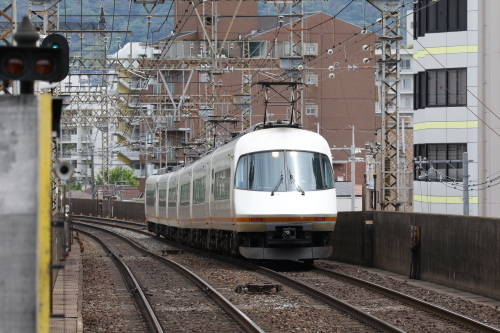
[[267, 194]]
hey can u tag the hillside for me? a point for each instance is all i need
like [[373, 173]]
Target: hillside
[[126, 16]]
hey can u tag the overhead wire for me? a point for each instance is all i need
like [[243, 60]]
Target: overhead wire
[[273, 43]]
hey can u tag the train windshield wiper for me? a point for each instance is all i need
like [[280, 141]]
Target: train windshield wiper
[[277, 184], [296, 186]]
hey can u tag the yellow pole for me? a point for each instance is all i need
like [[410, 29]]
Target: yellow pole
[[44, 213]]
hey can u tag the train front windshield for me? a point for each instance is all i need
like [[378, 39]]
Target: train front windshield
[[284, 170]]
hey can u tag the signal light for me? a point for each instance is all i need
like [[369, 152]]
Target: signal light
[[58, 42], [14, 65], [30, 64], [26, 63]]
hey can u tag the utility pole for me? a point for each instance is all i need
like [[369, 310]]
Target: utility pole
[[353, 172], [465, 175], [352, 159]]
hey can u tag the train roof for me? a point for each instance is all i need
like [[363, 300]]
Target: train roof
[[268, 136], [282, 137]]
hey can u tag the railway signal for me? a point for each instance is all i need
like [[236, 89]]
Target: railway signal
[[31, 64], [59, 42], [28, 63]]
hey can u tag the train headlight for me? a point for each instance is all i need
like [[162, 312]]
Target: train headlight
[[275, 154]]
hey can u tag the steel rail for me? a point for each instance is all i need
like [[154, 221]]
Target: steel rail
[[442, 312], [211, 292], [127, 273], [450, 315], [328, 299]]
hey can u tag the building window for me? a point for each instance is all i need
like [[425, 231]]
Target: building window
[[406, 83], [439, 162], [311, 110], [441, 87], [439, 16], [204, 78], [287, 49], [312, 80], [405, 64], [311, 49], [256, 49], [407, 102]]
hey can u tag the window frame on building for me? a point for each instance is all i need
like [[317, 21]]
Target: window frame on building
[[311, 79], [311, 107], [256, 49], [406, 64], [445, 170], [432, 16], [311, 49], [440, 88]]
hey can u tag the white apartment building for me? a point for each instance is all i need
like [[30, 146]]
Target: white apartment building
[[456, 91]]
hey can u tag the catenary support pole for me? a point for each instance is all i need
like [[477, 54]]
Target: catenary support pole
[[466, 182]]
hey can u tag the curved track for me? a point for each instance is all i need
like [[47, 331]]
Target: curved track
[[329, 300], [456, 320], [140, 299], [208, 290]]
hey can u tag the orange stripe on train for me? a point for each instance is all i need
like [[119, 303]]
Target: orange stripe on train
[[257, 219]]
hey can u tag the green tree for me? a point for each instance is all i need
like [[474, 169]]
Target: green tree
[[119, 176]]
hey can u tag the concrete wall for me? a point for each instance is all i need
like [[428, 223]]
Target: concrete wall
[[350, 226], [22, 278], [133, 211], [461, 252], [123, 210]]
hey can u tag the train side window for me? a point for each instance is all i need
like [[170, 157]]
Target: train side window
[[150, 197], [185, 194], [222, 184], [172, 197], [199, 189], [328, 172], [241, 177], [162, 200]]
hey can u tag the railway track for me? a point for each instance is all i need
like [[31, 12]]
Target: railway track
[[412, 301], [437, 317], [157, 316], [348, 318], [140, 301], [406, 312]]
